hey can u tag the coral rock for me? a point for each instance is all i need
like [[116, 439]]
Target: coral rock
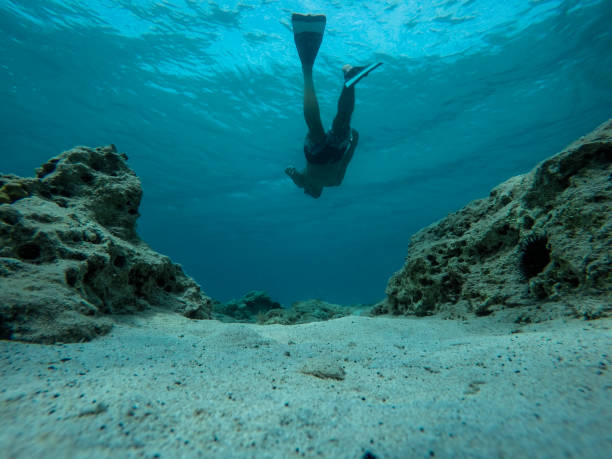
[[544, 237], [245, 309], [302, 312], [70, 256]]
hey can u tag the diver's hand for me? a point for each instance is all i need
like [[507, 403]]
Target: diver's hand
[[297, 177]]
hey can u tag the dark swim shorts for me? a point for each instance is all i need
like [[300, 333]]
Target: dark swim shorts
[[330, 151]]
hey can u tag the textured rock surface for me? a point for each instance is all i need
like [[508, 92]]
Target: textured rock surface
[[70, 255], [258, 307], [245, 309], [483, 257], [302, 312]]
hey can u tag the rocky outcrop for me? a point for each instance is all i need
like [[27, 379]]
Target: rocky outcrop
[[245, 309], [70, 257], [258, 307], [302, 312], [542, 239]]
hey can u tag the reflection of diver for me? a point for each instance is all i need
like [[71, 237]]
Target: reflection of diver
[[327, 154]]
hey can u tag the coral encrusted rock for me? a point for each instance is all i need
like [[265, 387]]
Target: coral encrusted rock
[[258, 307], [70, 257], [245, 309], [302, 312], [543, 239]]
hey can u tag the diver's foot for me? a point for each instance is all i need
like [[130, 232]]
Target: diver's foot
[[354, 74], [350, 71]]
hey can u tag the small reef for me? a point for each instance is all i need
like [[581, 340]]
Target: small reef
[[258, 307], [70, 257], [541, 241]]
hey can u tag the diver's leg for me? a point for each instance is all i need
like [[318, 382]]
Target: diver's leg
[[308, 30], [346, 105], [312, 114]]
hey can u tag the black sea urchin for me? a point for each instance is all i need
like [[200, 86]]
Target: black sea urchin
[[535, 255]]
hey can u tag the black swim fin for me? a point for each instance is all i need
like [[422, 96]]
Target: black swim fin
[[359, 73], [308, 32]]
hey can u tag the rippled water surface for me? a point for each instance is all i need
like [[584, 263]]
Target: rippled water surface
[[205, 98]]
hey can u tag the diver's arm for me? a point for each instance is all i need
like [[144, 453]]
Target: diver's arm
[[296, 176], [303, 180]]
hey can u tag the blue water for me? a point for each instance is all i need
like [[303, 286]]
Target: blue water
[[205, 98]]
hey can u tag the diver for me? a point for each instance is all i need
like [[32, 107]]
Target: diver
[[327, 153]]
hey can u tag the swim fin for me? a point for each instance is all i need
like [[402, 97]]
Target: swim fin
[[360, 73], [308, 32]]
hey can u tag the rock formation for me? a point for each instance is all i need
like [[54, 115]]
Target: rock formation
[[302, 312], [543, 239], [258, 307], [245, 309], [70, 256]]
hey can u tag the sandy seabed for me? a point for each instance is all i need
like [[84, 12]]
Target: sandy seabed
[[166, 386]]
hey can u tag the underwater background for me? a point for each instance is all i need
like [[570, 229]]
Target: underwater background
[[206, 99]]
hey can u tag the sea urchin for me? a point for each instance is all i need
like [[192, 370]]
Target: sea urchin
[[534, 256]]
